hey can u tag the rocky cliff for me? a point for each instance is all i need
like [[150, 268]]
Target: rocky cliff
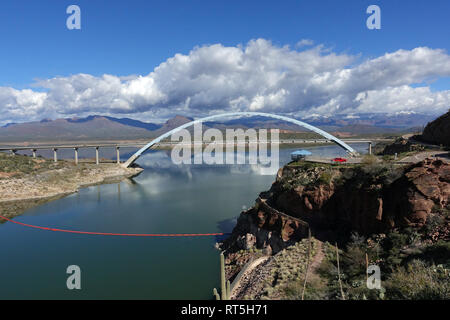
[[399, 146], [438, 131], [334, 201]]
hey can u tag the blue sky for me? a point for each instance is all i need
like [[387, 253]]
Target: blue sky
[[133, 37]]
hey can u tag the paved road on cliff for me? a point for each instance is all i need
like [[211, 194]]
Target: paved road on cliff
[[441, 155]]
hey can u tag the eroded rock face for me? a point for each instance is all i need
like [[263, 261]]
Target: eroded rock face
[[368, 200], [424, 187], [262, 228]]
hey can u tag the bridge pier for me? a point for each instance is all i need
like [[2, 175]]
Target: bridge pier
[[55, 155], [118, 154], [76, 155], [34, 153], [96, 156]]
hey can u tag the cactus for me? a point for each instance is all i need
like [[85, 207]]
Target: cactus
[[225, 286], [222, 277], [216, 294]]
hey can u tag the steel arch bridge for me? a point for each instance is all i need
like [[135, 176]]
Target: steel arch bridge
[[324, 134]]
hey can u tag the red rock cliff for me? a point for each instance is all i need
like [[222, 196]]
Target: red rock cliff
[[334, 201]]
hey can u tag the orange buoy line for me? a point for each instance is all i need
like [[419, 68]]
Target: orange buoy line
[[116, 234]]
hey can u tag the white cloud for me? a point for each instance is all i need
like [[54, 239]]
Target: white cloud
[[258, 76], [304, 43]]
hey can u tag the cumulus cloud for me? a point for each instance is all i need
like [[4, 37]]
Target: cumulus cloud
[[304, 43], [258, 76]]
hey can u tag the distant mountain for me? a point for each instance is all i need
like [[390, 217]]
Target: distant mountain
[[174, 123], [9, 124], [124, 121], [381, 120], [89, 128], [97, 127], [351, 124]]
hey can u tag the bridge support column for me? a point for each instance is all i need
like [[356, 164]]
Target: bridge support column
[[96, 155], [34, 153], [55, 155], [370, 147], [76, 155], [118, 154]]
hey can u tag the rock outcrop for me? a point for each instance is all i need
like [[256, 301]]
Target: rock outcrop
[[335, 201], [423, 189], [398, 146]]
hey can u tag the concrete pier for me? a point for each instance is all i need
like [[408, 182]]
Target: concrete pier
[[96, 156]]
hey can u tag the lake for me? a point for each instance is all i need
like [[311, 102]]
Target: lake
[[165, 198]]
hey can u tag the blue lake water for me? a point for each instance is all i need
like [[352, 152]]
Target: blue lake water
[[165, 198]]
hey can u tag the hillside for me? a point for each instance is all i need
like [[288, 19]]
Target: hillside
[[89, 128], [71, 130], [438, 131]]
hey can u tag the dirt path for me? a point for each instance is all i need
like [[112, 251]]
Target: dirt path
[[442, 155], [246, 278], [317, 258]]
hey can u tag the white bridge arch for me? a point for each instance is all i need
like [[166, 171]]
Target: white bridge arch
[[324, 134]]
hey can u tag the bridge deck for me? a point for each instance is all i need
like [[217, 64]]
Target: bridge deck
[[168, 143]]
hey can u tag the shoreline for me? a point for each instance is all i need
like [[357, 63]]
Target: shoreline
[[19, 194]]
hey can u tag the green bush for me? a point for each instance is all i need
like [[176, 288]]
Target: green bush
[[325, 178], [417, 281], [369, 159]]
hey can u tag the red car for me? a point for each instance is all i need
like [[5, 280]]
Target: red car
[[339, 160]]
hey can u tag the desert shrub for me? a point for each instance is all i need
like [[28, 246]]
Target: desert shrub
[[392, 246], [437, 253], [325, 178], [418, 281], [315, 289], [369, 159]]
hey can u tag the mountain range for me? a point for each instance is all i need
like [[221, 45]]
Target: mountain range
[[98, 127]]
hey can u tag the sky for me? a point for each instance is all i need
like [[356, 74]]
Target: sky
[[151, 60]]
